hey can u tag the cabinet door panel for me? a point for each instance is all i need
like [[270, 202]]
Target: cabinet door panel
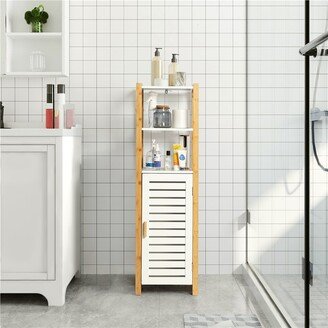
[[27, 212], [167, 229]]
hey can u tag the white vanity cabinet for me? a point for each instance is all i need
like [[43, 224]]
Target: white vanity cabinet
[[40, 206]]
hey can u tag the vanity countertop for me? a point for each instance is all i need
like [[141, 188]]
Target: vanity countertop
[[40, 132]]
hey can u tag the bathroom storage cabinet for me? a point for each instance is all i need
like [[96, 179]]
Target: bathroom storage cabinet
[[166, 206], [17, 42], [40, 226]]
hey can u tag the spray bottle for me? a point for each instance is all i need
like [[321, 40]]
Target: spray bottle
[[152, 103]]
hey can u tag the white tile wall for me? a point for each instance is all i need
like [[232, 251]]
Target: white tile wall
[[111, 46]]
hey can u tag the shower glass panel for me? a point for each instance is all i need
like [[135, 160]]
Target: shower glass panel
[[275, 151], [318, 175]]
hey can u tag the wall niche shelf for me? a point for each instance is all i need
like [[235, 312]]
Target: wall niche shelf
[[33, 36], [17, 42]]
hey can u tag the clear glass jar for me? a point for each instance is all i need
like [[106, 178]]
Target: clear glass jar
[[162, 117], [37, 61]]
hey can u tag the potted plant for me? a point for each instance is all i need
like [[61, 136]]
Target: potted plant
[[36, 18]]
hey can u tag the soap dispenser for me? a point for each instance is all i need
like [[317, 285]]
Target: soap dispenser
[[173, 69], [157, 69]]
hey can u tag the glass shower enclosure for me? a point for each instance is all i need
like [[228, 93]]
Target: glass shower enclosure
[[278, 232]]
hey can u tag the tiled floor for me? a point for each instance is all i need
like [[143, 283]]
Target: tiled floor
[[109, 301], [289, 289]]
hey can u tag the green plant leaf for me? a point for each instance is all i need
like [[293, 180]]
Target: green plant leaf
[[37, 14], [28, 17], [44, 17]]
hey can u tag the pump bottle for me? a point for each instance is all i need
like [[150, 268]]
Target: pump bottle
[[173, 69], [157, 69]]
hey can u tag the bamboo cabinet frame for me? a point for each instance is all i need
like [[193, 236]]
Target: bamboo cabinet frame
[[139, 162]]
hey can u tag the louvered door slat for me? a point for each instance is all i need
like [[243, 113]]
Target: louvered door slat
[[167, 193], [159, 248], [167, 240], [168, 225], [171, 256], [167, 217], [166, 233], [166, 209], [167, 264], [167, 201], [162, 185]]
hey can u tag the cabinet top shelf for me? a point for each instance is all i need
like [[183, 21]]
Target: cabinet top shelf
[[182, 88], [167, 172]]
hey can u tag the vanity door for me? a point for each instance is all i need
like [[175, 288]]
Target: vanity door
[[27, 212], [167, 229]]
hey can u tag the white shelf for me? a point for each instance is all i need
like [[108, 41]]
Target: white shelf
[[167, 172], [182, 88], [167, 130], [18, 42], [34, 36]]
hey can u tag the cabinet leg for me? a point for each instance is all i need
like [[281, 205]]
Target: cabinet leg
[[56, 298], [194, 290], [138, 289]]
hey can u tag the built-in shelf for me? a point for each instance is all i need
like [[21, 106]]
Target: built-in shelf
[[167, 130], [182, 88], [34, 36], [18, 44], [167, 172]]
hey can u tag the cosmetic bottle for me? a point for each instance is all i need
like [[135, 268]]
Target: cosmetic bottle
[[157, 163], [149, 159], [157, 69], [59, 119], [168, 161], [152, 103], [50, 110], [173, 69]]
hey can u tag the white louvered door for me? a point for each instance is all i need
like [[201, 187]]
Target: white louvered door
[[167, 229]]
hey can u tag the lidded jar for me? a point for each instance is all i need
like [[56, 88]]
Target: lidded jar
[[162, 117]]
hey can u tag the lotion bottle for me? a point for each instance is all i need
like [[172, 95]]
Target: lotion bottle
[[173, 69], [157, 68]]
